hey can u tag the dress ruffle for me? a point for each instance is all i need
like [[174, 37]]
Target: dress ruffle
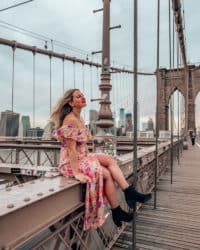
[[70, 132]]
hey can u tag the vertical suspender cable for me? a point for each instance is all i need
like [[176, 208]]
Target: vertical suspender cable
[[157, 100], [91, 87], [74, 74], [63, 75], [13, 76], [83, 86], [170, 65], [178, 155], [135, 68], [172, 107], [50, 84], [34, 89]]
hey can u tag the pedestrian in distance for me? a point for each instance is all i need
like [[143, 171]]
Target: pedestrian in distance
[[193, 137], [98, 170]]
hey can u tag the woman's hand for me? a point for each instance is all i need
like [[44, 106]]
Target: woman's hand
[[82, 178]]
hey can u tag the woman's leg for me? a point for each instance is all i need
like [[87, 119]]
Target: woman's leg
[[118, 214], [109, 188], [107, 161], [131, 195]]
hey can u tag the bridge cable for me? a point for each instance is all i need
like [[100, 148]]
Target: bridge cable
[[34, 89], [74, 74], [15, 5], [63, 78], [113, 101], [170, 66], [83, 84], [50, 82], [91, 87], [13, 76], [178, 71], [135, 96], [157, 101]]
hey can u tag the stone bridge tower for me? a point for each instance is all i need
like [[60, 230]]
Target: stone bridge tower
[[188, 83]]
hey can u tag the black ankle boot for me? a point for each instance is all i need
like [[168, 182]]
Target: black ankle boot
[[131, 196], [120, 215]]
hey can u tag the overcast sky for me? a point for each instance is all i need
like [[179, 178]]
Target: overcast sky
[[73, 23]]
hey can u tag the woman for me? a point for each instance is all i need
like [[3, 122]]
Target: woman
[[99, 171]]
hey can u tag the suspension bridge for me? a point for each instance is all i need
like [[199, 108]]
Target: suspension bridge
[[40, 209]]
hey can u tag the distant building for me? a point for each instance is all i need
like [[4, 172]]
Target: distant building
[[150, 124], [144, 126], [49, 131], [93, 116], [121, 118], [128, 122], [35, 132], [24, 125], [9, 123]]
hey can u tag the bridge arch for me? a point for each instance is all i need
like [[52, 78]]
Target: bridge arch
[[176, 105], [185, 81]]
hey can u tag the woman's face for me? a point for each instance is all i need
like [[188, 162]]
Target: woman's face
[[79, 100]]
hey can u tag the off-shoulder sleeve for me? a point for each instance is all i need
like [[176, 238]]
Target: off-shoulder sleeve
[[70, 132]]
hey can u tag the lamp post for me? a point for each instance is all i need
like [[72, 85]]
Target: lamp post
[[105, 114]]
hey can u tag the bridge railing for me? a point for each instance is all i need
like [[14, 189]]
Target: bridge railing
[[47, 213]]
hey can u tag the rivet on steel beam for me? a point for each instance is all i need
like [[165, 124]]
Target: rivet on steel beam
[[39, 194], [51, 189], [27, 199], [11, 205]]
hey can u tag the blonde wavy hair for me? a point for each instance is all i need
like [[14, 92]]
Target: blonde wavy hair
[[62, 108]]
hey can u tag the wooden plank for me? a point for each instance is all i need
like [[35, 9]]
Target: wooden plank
[[175, 224]]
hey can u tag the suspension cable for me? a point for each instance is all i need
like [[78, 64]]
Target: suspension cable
[[13, 76], [83, 85], [16, 5], [135, 96], [63, 75], [157, 100], [178, 103], [33, 89], [91, 84], [74, 74], [50, 75], [66, 57]]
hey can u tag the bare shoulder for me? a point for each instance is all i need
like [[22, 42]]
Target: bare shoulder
[[70, 120]]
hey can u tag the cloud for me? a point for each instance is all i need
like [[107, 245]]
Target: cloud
[[72, 22]]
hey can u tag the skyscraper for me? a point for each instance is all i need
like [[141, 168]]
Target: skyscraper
[[9, 123], [49, 131], [35, 132], [24, 125], [128, 122], [121, 118], [150, 124]]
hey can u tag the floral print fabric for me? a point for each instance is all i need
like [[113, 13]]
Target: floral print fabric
[[88, 165]]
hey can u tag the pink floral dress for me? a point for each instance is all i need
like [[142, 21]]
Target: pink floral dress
[[88, 165]]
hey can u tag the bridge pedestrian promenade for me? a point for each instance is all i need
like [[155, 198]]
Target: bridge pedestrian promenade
[[175, 224]]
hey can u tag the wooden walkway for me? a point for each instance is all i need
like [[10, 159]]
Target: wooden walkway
[[175, 224]]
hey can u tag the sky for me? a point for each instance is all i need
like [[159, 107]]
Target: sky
[[73, 23]]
